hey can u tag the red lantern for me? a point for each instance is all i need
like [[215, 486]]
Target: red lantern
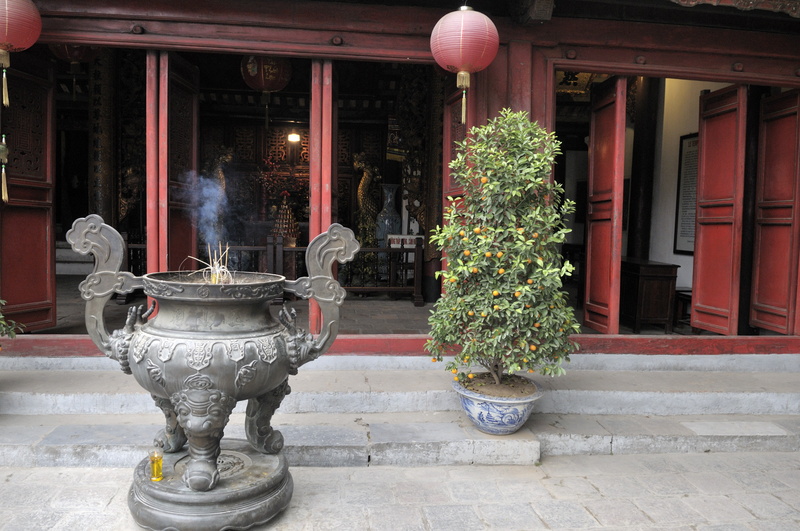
[[464, 42], [74, 54], [20, 27], [266, 74]]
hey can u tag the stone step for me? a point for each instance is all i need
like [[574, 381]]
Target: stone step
[[583, 392], [360, 411], [402, 439], [397, 439]]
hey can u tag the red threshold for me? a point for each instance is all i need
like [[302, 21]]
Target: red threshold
[[55, 345]]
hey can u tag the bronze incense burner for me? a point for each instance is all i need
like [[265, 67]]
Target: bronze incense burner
[[199, 349]]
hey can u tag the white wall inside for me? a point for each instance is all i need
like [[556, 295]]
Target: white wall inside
[[678, 116]]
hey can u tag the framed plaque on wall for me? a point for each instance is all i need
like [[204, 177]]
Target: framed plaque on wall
[[686, 200]]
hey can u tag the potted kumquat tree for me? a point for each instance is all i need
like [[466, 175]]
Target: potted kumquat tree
[[503, 308]]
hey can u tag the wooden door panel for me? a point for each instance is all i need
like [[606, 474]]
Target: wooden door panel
[[454, 131], [718, 222], [774, 294], [27, 248], [178, 122], [604, 219]]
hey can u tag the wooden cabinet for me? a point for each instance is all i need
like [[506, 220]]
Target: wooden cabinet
[[647, 293]]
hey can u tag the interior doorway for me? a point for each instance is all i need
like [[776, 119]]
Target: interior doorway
[[665, 245], [258, 146]]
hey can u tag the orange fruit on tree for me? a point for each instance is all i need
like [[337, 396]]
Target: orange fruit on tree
[[495, 293], [501, 271]]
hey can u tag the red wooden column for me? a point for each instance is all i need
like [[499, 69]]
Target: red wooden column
[[163, 162], [151, 155], [520, 55], [320, 146], [543, 91]]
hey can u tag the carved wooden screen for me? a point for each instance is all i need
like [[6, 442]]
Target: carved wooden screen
[[27, 247]]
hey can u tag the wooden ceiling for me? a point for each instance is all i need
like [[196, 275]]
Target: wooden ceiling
[[763, 15]]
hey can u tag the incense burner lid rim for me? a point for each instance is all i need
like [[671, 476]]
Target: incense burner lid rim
[[241, 278], [191, 286]]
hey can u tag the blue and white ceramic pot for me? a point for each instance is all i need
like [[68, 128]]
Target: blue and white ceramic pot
[[496, 415]]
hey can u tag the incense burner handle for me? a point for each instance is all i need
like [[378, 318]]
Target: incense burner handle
[[92, 235], [339, 244]]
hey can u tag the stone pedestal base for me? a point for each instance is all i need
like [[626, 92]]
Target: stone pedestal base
[[253, 488]]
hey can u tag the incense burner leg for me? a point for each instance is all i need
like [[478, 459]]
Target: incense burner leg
[[203, 414], [260, 434], [172, 437]]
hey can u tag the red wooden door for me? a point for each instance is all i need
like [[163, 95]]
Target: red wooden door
[[718, 222], [604, 216], [27, 246], [777, 244], [177, 167]]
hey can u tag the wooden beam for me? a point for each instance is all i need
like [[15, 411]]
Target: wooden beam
[[532, 11], [790, 7]]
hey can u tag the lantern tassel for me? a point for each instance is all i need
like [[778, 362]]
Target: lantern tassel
[[5, 62], [5, 185], [462, 82], [6, 101]]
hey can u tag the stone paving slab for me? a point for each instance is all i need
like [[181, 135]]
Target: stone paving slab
[[744, 491]]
